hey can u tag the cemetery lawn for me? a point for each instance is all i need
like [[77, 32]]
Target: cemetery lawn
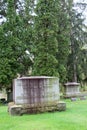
[[74, 118]]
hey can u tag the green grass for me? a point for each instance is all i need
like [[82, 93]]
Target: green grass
[[74, 118]]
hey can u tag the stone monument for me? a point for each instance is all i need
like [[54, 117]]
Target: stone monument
[[71, 89], [36, 94]]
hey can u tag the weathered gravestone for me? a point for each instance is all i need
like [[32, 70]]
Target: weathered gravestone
[[71, 89], [82, 98], [73, 99], [36, 94]]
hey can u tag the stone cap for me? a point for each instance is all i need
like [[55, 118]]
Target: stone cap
[[37, 77], [72, 84]]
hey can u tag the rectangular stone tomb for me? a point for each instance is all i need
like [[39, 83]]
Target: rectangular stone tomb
[[37, 92], [71, 89]]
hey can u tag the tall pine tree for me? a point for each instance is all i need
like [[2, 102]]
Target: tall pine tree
[[63, 39], [77, 40], [46, 45]]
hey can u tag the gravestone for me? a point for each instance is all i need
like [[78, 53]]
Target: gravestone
[[71, 89], [73, 99], [83, 98], [36, 94]]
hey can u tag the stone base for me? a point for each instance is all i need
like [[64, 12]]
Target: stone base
[[78, 95], [26, 109], [71, 95]]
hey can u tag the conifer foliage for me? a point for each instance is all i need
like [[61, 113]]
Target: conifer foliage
[[46, 45], [44, 37]]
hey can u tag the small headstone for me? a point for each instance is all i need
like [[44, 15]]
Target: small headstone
[[73, 99], [83, 98]]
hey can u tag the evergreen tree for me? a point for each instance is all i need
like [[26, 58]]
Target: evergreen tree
[[27, 35], [46, 45], [77, 40], [13, 57], [63, 39], [10, 47]]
